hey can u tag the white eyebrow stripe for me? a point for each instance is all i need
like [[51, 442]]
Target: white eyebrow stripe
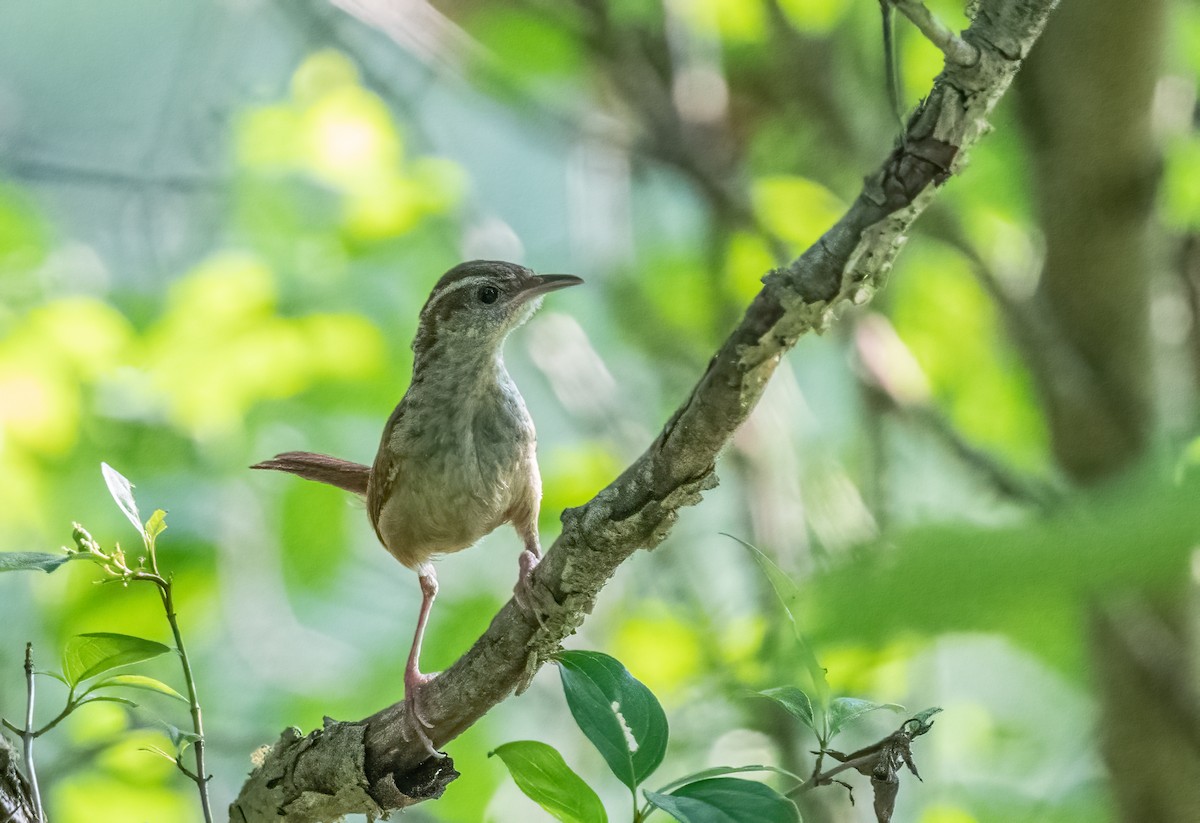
[[465, 282]]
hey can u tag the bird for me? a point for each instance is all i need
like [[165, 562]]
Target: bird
[[457, 457]]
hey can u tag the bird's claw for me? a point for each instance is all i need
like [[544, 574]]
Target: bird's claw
[[530, 596], [414, 683]]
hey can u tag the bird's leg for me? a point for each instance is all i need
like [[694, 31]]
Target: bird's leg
[[414, 681]]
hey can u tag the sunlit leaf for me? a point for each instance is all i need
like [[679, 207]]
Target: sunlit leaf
[[156, 525], [845, 710], [618, 714], [541, 773], [156, 750], [122, 492], [726, 800], [137, 681], [87, 655]]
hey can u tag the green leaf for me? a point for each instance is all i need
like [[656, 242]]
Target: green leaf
[[845, 710], [36, 561], [541, 773], [55, 675], [788, 594], [179, 738], [718, 771], [621, 717], [156, 525], [726, 800], [108, 698], [122, 492], [137, 681], [1029, 580], [156, 750], [796, 702], [87, 655]]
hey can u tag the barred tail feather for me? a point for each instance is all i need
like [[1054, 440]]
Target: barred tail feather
[[322, 468]]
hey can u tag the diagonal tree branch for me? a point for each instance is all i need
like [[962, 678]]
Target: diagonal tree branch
[[377, 764]]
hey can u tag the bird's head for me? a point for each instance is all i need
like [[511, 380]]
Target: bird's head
[[476, 304]]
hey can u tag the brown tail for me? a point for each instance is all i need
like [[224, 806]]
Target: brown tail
[[322, 468]]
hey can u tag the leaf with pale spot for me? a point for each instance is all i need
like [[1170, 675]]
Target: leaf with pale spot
[[621, 717]]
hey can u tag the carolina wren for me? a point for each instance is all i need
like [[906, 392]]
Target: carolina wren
[[457, 457]]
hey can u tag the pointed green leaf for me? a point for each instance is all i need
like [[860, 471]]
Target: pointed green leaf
[[788, 595], [845, 710], [541, 773], [718, 771], [122, 492], [55, 675], [156, 525], [108, 698], [796, 702], [726, 800], [156, 750], [88, 655], [36, 561], [137, 681], [179, 737], [618, 714]]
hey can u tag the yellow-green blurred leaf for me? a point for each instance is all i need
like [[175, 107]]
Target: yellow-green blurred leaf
[[796, 209], [816, 16], [1181, 184], [524, 41]]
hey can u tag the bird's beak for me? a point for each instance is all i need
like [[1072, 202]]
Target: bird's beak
[[540, 284]]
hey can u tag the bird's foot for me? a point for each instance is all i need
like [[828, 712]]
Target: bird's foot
[[414, 683], [531, 597]]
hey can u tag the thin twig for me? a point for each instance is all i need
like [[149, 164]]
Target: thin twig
[[114, 564], [956, 49], [200, 777], [27, 736]]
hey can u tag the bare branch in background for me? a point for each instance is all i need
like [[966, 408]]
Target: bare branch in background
[[954, 47]]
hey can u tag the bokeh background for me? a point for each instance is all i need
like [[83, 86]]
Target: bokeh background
[[219, 220]]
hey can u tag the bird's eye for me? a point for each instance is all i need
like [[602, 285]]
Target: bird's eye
[[488, 294]]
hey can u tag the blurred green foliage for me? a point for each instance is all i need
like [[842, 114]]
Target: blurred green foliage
[[347, 182]]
